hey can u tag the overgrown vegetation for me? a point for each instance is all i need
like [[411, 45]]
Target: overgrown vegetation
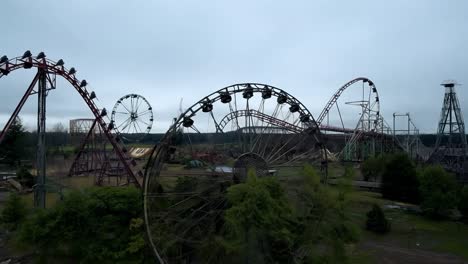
[[376, 220], [260, 223], [373, 167], [13, 212], [24, 176], [13, 146], [264, 225], [438, 191], [400, 179], [463, 203], [93, 225]]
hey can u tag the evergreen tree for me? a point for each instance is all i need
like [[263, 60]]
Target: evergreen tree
[[400, 179], [12, 148], [14, 212], [438, 191]]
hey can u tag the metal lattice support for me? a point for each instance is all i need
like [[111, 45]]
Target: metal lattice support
[[39, 188], [367, 137], [450, 148], [48, 70], [96, 157], [407, 138]]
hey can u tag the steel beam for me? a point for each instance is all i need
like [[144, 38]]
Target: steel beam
[[39, 190]]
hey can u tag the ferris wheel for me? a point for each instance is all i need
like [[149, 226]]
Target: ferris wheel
[[132, 117]]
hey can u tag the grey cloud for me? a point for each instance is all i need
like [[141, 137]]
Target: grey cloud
[[166, 50]]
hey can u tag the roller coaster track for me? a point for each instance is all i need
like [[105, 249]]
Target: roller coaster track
[[51, 69], [281, 123]]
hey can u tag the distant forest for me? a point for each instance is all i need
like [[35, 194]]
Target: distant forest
[[55, 139]]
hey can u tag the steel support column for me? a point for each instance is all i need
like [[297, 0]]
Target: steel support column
[[39, 190]]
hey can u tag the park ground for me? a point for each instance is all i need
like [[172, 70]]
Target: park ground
[[413, 238]]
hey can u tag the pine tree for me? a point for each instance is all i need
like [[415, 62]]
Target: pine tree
[[12, 148]]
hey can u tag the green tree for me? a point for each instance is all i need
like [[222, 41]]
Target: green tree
[[463, 202], [372, 168], [260, 223], [14, 212], [95, 225], [400, 179], [24, 176], [12, 148], [438, 191], [326, 227], [376, 220]]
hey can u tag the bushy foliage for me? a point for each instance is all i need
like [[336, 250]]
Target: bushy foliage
[[400, 179], [95, 225], [12, 148], [264, 226], [463, 203], [260, 223], [376, 220], [438, 190], [24, 176], [326, 227], [372, 168], [14, 212]]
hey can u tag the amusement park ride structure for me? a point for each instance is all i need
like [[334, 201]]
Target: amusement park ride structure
[[45, 80], [94, 158], [219, 141], [451, 146]]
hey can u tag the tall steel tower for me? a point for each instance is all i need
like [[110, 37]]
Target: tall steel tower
[[450, 148]]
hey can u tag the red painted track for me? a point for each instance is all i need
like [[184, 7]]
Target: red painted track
[[57, 68]]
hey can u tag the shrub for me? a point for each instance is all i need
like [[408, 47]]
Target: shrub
[[260, 220], [14, 212], [372, 168], [24, 176], [400, 180], [94, 225], [438, 190], [376, 220], [463, 203]]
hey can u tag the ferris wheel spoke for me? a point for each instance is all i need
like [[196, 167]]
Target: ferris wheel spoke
[[280, 153], [280, 143], [132, 102], [123, 113], [129, 127], [248, 125], [298, 157], [124, 123], [234, 111], [143, 101], [139, 128], [145, 113], [267, 142], [218, 129], [147, 124], [124, 106], [259, 136], [197, 221], [135, 104]]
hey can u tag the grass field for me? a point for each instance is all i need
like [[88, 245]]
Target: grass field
[[410, 231]]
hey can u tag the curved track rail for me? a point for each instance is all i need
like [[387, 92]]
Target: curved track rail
[[338, 93], [52, 69]]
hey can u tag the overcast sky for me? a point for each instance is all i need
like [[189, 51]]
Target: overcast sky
[[168, 50]]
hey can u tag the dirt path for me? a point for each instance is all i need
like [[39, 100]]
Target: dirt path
[[390, 254]]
